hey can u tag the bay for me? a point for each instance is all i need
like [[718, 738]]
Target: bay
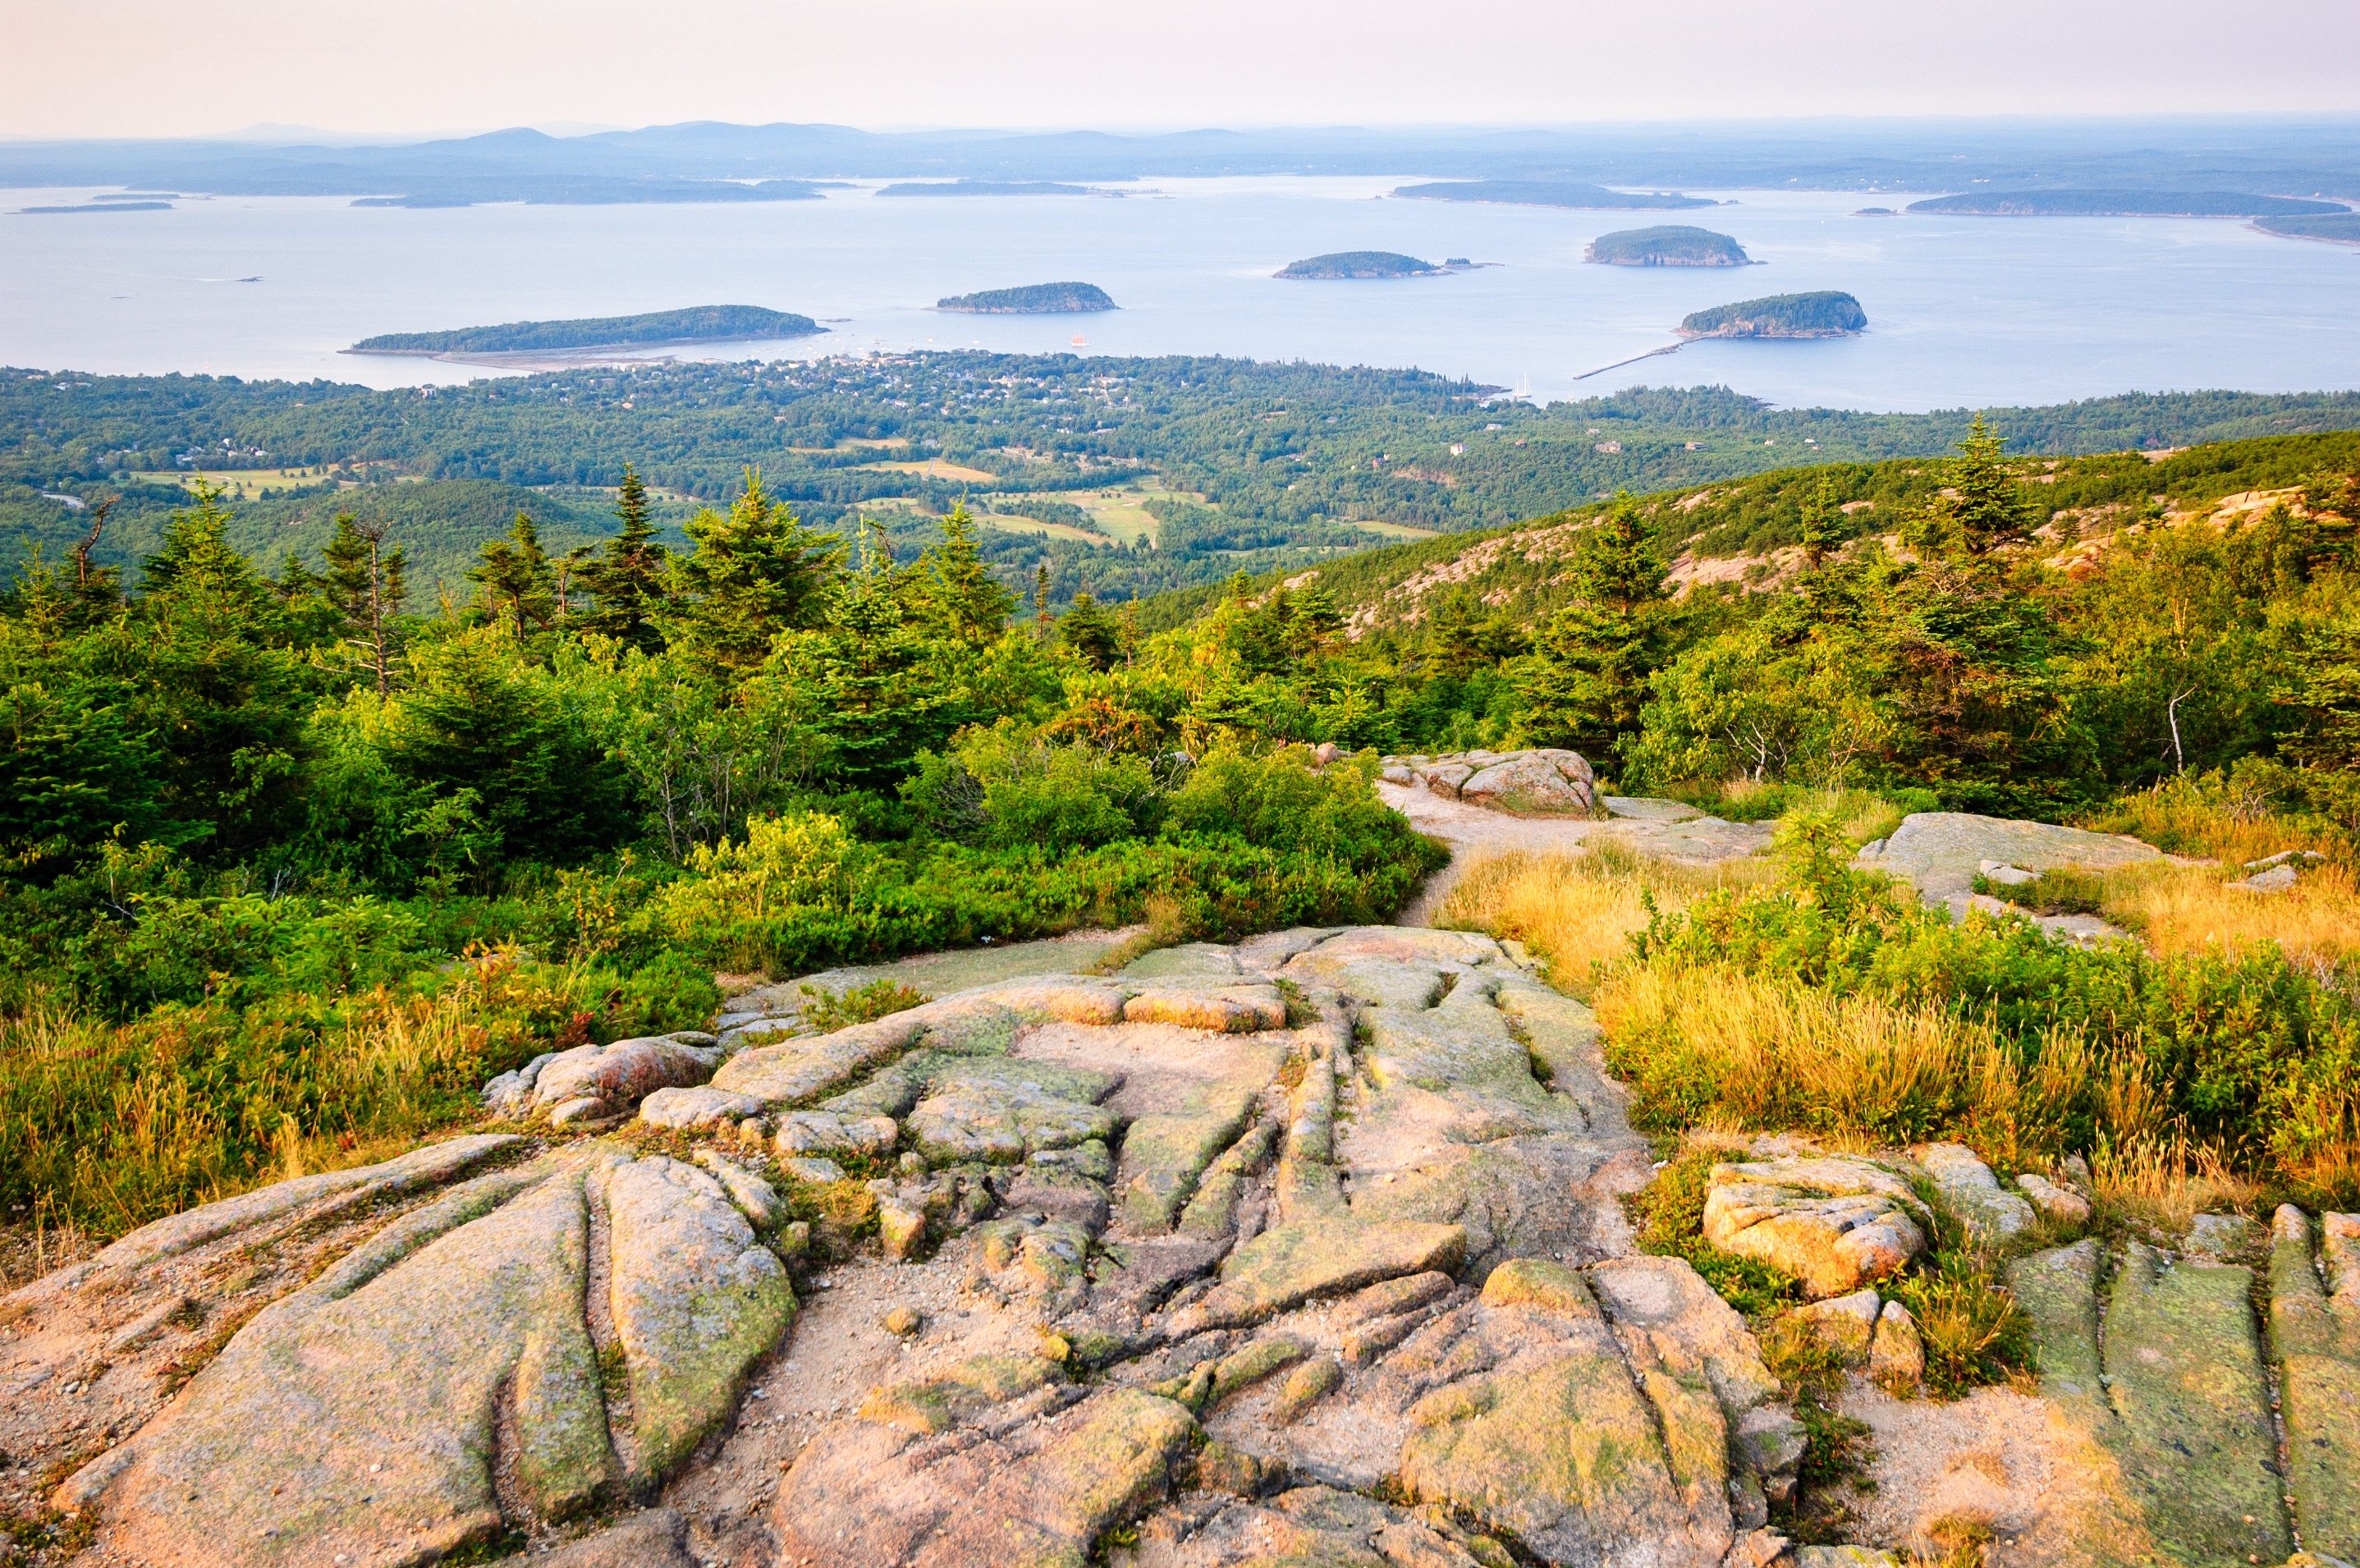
[[1963, 311]]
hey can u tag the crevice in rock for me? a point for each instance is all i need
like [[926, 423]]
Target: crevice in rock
[[598, 1316]]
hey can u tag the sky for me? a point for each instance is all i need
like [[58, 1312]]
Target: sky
[[151, 68]]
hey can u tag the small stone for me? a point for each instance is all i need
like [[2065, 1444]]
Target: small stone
[[1756, 1549], [2058, 1204], [817, 1170], [794, 1239], [2007, 875], [565, 1114], [901, 1228], [1309, 1383], [912, 1164], [1897, 1361], [2278, 879], [1220, 1468], [902, 1323]]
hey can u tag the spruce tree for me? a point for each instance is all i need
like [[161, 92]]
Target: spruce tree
[[1586, 680], [516, 579], [625, 580], [960, 596], [366, 584], [757, 571], [1093, 634]]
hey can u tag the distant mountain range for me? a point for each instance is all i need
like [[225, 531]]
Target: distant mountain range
[[710, 161]]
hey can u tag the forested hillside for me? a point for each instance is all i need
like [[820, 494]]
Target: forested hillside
[[1157, 474]]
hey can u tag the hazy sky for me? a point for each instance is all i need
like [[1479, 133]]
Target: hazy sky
[[86, 68]]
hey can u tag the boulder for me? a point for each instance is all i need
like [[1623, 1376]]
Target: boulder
[[1833, 1222], [1941, 853], [2060, 1205], [1845, 1325], [1897, 1359], [1970, 1190], [615, 1078], [1543, 781]]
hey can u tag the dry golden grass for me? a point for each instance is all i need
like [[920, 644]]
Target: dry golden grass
[[2161, 1181], [2233, 830], [1577, 911], [2192, 909]]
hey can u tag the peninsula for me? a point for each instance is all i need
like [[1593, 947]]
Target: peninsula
[[698, 323], [1360, 264], [1547, 193], [2123, 205], [1032, 299], [2343, 227], [1824, 313], [991, 188], [1669, 244]]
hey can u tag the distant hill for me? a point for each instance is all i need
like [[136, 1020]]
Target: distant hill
[[1826, 314], [990, 188], [1547, 193], [2123, 205], [1669, 245], [699, 323], [1032, 299], [1359, 264]]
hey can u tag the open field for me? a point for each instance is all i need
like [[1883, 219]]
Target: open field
[[1394, 529], [935, 469], [1007, 523], [238, 483]]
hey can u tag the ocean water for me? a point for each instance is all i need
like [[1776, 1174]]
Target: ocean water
[[1962, 311]]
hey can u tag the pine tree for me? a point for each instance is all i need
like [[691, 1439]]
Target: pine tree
[[516, 579], [367, 582], [625, 580], [757, 571]]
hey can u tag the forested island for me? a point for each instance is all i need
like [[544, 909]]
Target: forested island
[[1547, 193], [1359, 264], [2123, 205], [991, 188], [698, 323], [1823, 313], [1668, 245], [1032, 299]]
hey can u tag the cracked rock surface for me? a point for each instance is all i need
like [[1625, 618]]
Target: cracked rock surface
[[1306, 1249]]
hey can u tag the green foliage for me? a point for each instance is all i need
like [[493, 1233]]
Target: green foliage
[[756, 572]]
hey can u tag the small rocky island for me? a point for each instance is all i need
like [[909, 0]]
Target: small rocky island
[[1827, 313], [1032, 299], [1668, 245], [698, 323], [1547, 193], [1360, 264]]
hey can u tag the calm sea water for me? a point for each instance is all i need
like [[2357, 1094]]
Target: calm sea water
[[1962, 311]]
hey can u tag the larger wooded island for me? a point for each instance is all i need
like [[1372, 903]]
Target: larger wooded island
[[698, 323], [1547, 193], [1360, 264], [1824, 313], [1669, 244], [1032, 299], [2123, 205]]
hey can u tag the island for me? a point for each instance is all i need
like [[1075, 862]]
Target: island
[[1360, 264], [98, 206], [1668, 245], [1547, 193], [698, 323], [991, 188], [1825, 313], [1032, 299], [2123, 205]]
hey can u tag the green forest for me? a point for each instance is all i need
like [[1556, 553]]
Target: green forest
[[290, 854]]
